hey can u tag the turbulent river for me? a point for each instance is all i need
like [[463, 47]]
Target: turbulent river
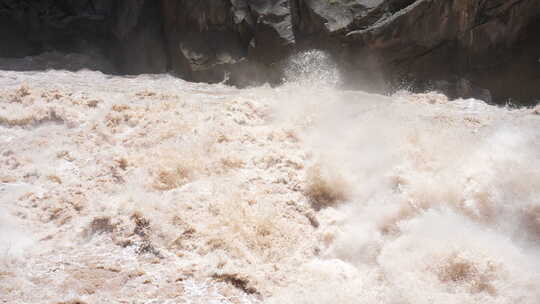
[[150, 189]]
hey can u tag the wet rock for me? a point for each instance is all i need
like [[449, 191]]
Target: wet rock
[[337, 16], [461, 87], [273, 29]]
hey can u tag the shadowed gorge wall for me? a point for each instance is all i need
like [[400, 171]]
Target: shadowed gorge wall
[[487, 49]]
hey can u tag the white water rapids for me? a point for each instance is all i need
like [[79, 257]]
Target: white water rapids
[[150, 189]]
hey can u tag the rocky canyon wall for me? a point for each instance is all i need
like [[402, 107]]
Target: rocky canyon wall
[[489, 49]]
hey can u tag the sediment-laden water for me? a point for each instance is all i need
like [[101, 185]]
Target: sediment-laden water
[[150, 189]]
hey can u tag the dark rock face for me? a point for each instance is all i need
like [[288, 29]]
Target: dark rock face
[[207, 39], [138, 46], [127, 33], [32, 27], [461, 39], [205, 35], [488, 49]]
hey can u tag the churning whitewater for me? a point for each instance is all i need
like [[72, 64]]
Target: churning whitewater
[[150, 189]]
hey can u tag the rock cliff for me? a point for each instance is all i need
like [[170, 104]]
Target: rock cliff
[[488, 49]]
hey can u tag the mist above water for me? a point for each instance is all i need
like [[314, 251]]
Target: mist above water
[[151, 188]]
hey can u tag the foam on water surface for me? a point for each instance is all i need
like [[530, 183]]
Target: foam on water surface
[[150, 189]]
